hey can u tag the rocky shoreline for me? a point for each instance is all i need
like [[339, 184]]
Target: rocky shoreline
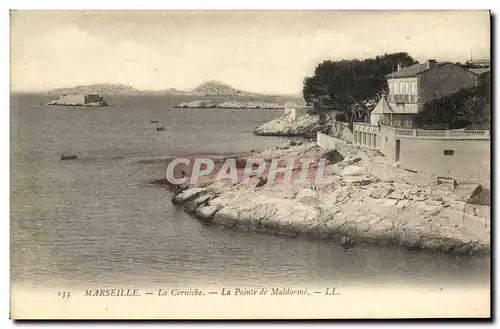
[[306, 125], [229, 105], [368, 200]]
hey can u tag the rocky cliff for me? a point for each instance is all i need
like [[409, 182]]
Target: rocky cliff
[[212, 88], [368, 200], [286, 126]]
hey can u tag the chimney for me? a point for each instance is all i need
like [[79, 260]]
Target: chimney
[[400, 66], [431, 63]]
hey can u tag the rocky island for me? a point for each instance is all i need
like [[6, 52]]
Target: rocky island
[[249, 105], [86, 100], [98, 89], [216, 88], [229, 105], [199, 104], [368, 199]]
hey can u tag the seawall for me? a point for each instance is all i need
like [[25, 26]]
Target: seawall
[[461, 154]]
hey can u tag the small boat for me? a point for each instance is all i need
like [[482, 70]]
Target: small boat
[[73, 156], [160, 128], [153, 121], [347, 242]]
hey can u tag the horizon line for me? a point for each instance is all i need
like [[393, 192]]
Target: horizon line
[[41, 91], [150, 89]]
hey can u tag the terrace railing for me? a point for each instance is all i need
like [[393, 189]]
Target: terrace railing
[[424, 134]]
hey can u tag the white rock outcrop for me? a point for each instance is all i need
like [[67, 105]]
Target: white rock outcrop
[[249, 105], [197, 104], [405, 210], [230, 105], [286, 126]]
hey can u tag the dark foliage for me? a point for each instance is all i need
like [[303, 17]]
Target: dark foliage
[[333, 157], [351, 86], [468, 108]]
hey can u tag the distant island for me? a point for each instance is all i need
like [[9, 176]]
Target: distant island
[[230, 105], [208, 88], [101, 88], [81, 99], [216, 88]]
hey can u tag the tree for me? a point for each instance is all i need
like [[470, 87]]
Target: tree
[[353, 87], [465, 108]]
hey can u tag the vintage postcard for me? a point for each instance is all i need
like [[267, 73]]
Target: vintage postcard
[[250, 164]]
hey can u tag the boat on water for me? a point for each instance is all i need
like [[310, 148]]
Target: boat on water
[[160, 128], [72, 156], [347, 242], [153, 121]]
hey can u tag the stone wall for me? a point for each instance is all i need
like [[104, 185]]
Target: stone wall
[[347, 150], [478, 210], [464, 155], [342, 131], [327, 142], [457, 154], [462, 159]]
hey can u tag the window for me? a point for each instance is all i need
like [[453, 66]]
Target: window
[[413, 88], [401, 90], [448, 152]]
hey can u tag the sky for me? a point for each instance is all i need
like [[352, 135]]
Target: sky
[[258, 51]]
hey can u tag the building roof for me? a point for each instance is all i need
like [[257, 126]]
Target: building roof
[[480, 71], [480, 196], [413, 70], [382, 107]]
